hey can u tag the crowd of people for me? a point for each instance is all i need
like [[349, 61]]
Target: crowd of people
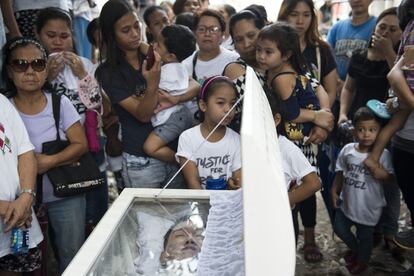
[[147, 96]]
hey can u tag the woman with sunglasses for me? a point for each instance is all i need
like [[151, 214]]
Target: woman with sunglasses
[[25, 66], [73, 76]]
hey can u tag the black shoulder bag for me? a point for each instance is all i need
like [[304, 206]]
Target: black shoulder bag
[[72, 179]]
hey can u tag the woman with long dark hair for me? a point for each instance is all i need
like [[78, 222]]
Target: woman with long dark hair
[[132, 87]]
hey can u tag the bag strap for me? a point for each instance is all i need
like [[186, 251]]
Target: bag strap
[[56, 112], [194, 65], [318, 59]]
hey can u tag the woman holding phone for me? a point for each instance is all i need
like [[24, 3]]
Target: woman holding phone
[[132, 86]]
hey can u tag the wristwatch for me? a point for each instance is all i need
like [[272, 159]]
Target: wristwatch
[[29, 191], [395, 103]]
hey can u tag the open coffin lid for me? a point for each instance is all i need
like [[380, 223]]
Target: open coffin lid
[[114, 246]]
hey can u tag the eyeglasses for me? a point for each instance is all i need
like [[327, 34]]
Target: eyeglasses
[[21, 65], [211, 30]]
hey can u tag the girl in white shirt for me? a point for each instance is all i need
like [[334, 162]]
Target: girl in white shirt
[[219, 155]]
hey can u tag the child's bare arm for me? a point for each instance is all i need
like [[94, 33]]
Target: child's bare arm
[[310, 185], [336, 188], [284, 86], [190, 172]]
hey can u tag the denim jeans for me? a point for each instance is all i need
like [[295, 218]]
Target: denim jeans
[[146, 172], [67, 225], [388, 223], [362, 243], [97, 202], [83, 46]]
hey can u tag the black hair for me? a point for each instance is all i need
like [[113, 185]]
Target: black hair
[[230, 10], [212, 13], [51, 13], [207, 89], [150, 10], [93, 26], [179, 40], [276, 106], [111, 12], [245, 15], [287, 41], [365, 114], [54, 13], [405, 13], [258, 10], [185, 19], [9, 89], [178, 6]]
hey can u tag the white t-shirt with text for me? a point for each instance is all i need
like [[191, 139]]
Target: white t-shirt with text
[[362, 194], [213, 160]]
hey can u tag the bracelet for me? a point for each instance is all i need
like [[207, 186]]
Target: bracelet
[[28, 191]]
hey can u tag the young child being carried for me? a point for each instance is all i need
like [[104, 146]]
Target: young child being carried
[[175, 43], [357, 193], [219, 156]]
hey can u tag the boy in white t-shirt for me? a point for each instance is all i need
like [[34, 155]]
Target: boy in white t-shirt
[[361, 197], [175, 43]]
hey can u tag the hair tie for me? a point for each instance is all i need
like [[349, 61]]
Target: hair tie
[[208, 82]]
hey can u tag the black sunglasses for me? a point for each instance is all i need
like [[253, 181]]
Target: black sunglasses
[[21, 65]]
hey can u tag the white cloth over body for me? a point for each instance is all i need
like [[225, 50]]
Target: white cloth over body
[[222, 253]]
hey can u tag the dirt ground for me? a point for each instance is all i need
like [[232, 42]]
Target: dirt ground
[[382, 263]]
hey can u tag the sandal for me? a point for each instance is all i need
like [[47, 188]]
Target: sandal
[[311, 253]]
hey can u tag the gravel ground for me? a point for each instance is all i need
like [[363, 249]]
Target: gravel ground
[[382, 263]]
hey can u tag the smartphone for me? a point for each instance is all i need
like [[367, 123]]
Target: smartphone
[[150, 57]]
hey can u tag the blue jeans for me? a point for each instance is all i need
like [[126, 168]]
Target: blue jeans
[[82, 44], [362, 243], [146, 172], [67, 222], [388, 223], [97, 199], [97, 202]]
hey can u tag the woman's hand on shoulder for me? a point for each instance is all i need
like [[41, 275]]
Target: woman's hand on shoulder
[[152, 76], [76, 64]]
